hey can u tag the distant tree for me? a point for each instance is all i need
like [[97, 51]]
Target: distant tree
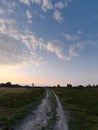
[[69, 86], [94, 86], [8, 84], [32, 84], [97, 86], [80, 86], [58, 86], [89, 86]]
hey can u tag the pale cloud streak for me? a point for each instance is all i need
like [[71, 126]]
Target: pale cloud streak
[[57, 16], [27, 39], [67, 2], [57, 49], [1, 11], [27, 2], [64, 53], [10, 52], [79, 32], [70, 37], [46, 5], [32, 44], [59, 5], [28, 14], [21, 45], [24, 47], [73, 51], [36, 1]]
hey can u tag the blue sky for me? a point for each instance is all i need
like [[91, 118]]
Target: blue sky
[[49, 41]]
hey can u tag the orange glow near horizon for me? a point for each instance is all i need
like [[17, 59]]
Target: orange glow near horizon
[[16, 75]]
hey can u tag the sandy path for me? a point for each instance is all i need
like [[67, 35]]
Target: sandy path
[[40, 118], [61, 123]]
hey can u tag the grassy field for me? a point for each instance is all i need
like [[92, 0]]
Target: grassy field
[[16, 103], [82, 106]]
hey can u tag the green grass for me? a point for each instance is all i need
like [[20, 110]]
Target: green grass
[[16, 103], [54, 116], [82, 105]]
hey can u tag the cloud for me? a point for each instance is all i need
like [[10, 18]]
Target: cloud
[[73, 51], [42, 17], [6, 25], [2, 11], [8, 4], [46, 5], [57, 16], [8, 8], [79, 32], [28, 14], [93, 43], [36, 1], [59, 5], [27, 2], [23, 47], [10, 51], [26, 39], [28, 47], [56, 49], [66, 53], [19, 44], [70, 37], [67, 2]]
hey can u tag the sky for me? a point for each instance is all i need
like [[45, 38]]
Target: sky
[[49, 42]]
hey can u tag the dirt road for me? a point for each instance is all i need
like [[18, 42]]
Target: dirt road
[[48, 116]]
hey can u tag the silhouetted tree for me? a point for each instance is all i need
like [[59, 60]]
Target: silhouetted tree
[[69, 86], [58, 86], [89, 86], [97, 86], [80, 86], [8, 84], [32, 84]]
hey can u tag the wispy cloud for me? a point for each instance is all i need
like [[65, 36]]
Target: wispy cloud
[[73, 51], [31, 44], [57, 49], [28, 47], [36, 1], [26, 39], [67, 2], [19, 44], [57, 16], [10, 51], [70, 37], [1, 11], [59, 5], [63, 52], [28, 14], [27, 2], [79, 32], [47, 5]]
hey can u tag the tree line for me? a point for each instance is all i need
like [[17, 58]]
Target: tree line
[[9, 84]]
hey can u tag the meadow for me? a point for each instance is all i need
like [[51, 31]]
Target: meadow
[[81, 106], [16, 103]]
